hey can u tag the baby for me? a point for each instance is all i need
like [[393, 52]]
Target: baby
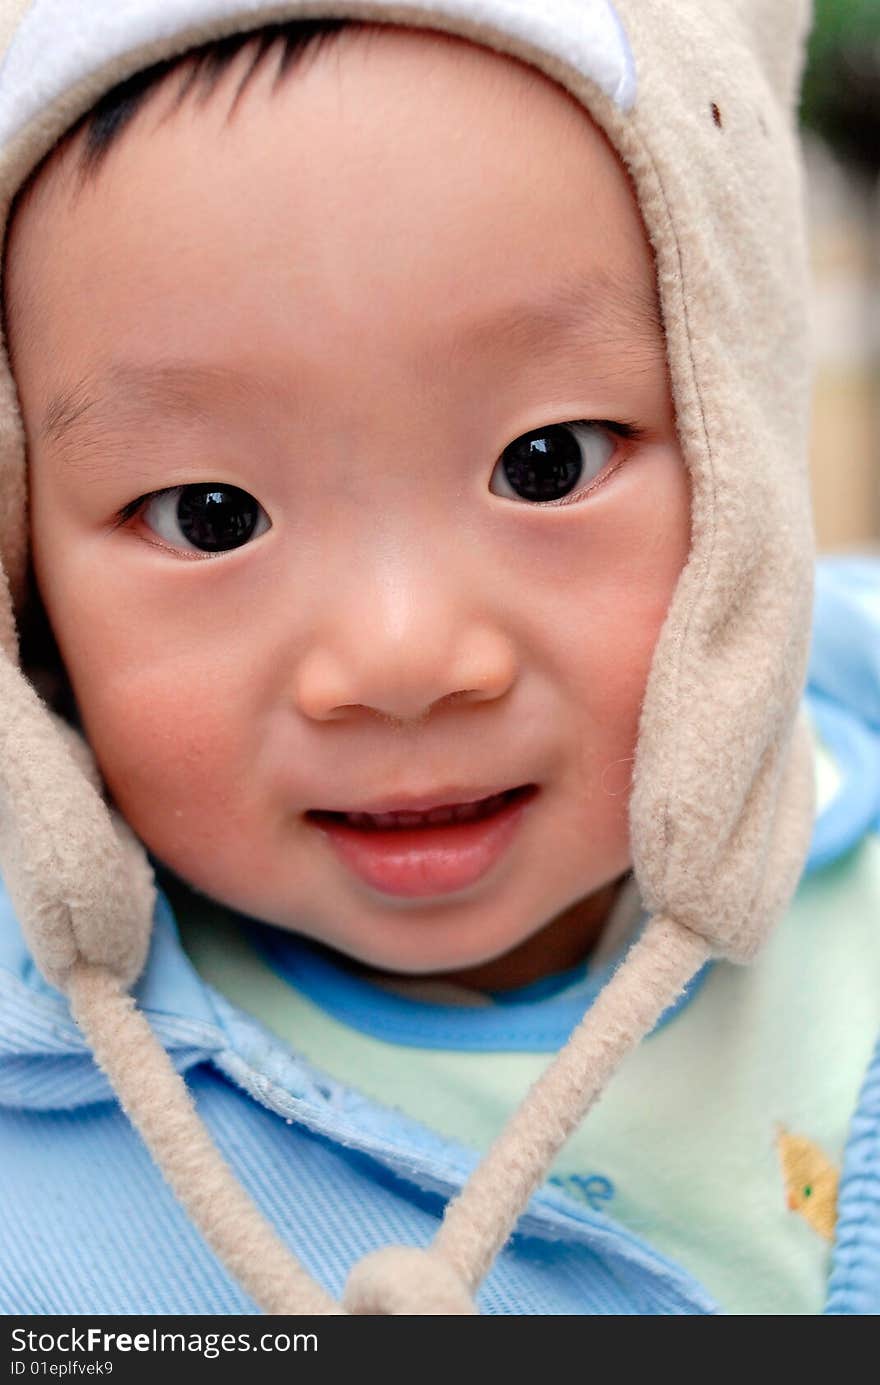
[[355, 503], [358, 501]]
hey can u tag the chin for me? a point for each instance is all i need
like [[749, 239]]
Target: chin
[[419, 958]]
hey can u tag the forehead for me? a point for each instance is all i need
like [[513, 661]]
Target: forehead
[[395, 179]]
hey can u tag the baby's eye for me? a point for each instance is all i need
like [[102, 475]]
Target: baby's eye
[[211, 517], [549, 462]]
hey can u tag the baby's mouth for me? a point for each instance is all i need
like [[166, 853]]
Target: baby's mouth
[[442, 816], [429, 853]]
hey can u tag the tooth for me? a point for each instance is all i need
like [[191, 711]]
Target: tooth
[[464, 812]]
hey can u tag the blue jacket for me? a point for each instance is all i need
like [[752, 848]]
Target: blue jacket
[[90, 1226]]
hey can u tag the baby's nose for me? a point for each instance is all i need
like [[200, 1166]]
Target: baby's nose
[[402, 679]]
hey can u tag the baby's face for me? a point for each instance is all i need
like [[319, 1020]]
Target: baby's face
[[374, 337]]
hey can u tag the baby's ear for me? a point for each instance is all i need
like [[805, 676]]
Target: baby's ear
[[778, 30]]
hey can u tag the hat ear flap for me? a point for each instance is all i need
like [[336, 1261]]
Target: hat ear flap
[[779, 30], [79, 880]]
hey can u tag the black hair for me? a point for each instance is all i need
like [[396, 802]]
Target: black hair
[[105, 121]]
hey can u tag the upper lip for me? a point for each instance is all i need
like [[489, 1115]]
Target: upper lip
[[451, 797]]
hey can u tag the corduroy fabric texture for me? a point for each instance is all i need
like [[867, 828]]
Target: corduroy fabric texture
[[156, 1101]]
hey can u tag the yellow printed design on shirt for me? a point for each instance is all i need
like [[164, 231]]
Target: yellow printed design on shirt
[[811, 1181]]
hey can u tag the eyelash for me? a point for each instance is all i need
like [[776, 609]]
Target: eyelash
[[129, 510], [630, 432]]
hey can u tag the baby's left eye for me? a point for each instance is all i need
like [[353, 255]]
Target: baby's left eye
[[547, 463]]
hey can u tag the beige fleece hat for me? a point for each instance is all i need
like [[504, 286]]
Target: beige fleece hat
[[699, 102]]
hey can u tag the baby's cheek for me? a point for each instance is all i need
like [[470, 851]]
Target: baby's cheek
[[609, 681], [171, 758]]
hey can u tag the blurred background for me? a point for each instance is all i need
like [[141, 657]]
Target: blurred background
[[840, 121]]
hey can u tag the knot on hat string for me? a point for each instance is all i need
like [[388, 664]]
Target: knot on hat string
[[404, 1280]]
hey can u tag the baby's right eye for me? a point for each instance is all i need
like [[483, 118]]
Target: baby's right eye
[[212, 517]]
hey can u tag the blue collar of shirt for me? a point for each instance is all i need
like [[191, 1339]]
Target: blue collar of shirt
[[530, 1019]]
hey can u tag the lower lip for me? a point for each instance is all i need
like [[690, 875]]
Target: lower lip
[[417, 862]]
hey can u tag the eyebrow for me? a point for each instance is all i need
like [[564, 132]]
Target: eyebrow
[[588, 307], [181, 388]]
